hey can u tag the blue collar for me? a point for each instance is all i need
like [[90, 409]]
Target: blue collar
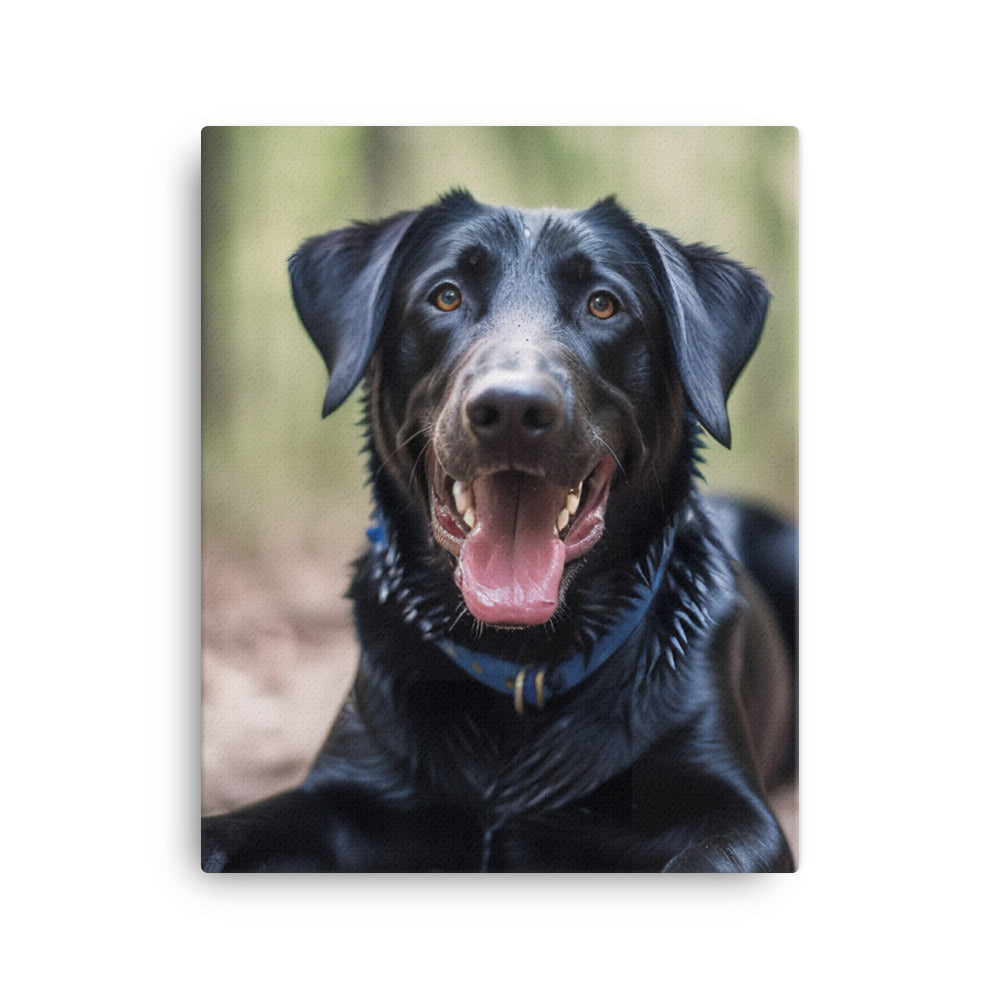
[[533, 684]]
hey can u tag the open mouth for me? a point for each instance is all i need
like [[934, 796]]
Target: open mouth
[[512, 534]]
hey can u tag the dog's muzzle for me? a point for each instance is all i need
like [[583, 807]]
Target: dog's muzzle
[[519, 486]]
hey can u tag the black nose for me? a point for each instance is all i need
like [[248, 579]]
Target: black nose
[[525, 411]]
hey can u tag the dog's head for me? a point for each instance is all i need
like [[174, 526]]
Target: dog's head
[[530, 371]]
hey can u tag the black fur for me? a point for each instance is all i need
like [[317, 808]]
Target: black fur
[[663, 758]]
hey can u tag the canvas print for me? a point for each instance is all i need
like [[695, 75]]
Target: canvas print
[[500, 559]]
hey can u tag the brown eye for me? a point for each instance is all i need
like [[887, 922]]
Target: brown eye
[[447, 298], [602, 305]]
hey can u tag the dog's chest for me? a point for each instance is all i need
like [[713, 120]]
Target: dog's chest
[[521, 767]]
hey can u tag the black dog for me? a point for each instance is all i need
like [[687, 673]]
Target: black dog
[[563, 668]]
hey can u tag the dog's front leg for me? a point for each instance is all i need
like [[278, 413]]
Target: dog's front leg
[[338, 827], [292, 832]]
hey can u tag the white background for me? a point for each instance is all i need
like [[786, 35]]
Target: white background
[[103, 104]]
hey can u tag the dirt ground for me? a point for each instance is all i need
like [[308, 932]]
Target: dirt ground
[[279, 655], [278, 658]]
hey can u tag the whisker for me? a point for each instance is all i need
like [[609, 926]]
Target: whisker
[[613, 455], [416, 464], [420, 430], [659, 490], [659, 493], [462, 612]]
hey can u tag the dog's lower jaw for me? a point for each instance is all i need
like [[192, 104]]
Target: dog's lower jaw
[[512, 535]]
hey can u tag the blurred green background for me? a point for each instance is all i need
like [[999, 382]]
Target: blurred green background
[[274, 472]]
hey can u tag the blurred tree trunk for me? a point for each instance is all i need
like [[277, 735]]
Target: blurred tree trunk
[[217, 145], [380, 152]]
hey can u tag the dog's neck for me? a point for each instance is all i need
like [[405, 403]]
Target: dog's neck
[[665, 593]]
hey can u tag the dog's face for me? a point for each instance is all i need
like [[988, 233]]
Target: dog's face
[[529, 374]]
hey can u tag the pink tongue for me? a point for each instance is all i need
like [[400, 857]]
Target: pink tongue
[[511, 564]]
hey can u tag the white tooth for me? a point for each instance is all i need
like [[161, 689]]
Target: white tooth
[[563, 519], [572, 502], [463, 496], [470, 517]]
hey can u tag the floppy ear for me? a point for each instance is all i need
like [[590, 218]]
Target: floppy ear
[[341, 284], [715, 311]]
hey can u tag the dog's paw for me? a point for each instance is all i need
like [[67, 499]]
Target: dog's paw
[[214, 856], [213, 859]]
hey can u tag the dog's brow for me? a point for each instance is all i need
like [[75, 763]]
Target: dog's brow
[[474, 255]]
